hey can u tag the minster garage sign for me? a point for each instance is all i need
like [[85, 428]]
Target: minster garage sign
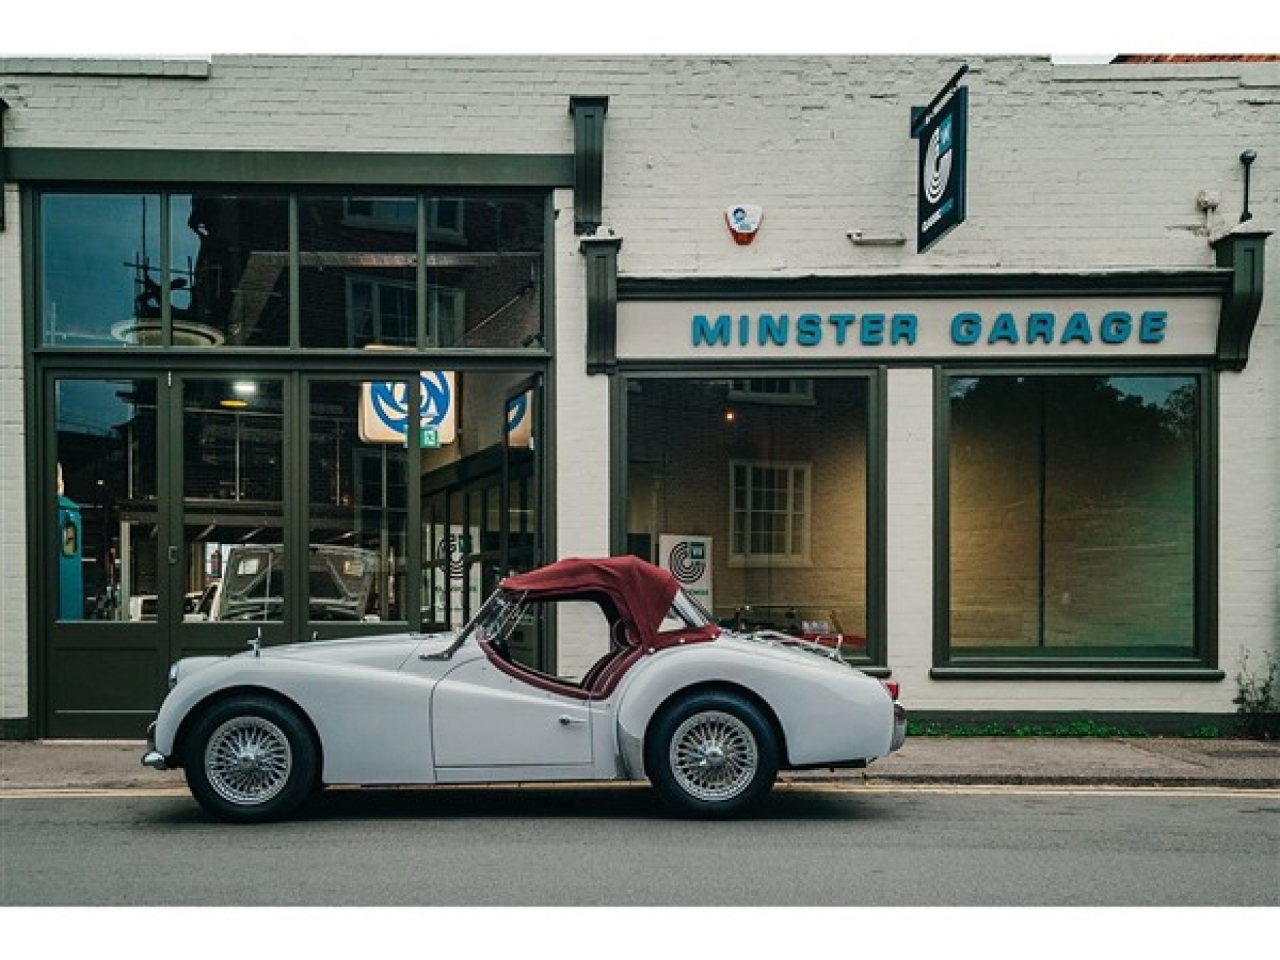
[[1030, 328]]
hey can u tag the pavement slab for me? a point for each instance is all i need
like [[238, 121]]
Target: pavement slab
[[1120, 761]]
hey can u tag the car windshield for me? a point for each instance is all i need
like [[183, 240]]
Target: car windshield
[[498, 615]]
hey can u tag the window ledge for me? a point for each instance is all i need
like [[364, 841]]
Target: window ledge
[[1027, 672]]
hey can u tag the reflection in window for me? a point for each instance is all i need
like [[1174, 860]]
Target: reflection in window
[[358, 510], [358, 260], [106, 561], [230, 263], [769, 512], [370, 270], [1073, 516], [780, 490], [773, 390], [490, 251], [233, 492], [100, 269]]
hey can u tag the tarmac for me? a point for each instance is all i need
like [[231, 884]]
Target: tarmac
[[70, 766]]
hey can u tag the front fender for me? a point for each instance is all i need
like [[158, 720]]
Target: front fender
[[828, 712], [372, 723]]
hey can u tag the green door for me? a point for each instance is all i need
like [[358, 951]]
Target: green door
[[152, 479]]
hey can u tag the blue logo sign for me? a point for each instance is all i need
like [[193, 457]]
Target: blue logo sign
[[517, 410], [390, 402], [940, 204]]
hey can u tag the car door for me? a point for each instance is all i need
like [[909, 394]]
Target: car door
[[484, 719]]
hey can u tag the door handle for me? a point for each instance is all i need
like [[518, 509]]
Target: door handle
[[173, 555], [568, 721]]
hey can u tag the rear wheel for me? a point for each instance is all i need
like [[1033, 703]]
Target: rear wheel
[[251, 759], [711, 754]]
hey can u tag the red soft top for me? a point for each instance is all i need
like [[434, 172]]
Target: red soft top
[[627, 588]]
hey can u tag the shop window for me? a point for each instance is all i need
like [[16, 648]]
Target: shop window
[[357, 263], [100, 270], [232, 495], [358, 518], [1074, 517], [759, 508], [106, 565], [367, 270], [230, 268]]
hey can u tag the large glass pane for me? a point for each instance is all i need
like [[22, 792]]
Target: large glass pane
[[468, 477], [1073, 516], [106, 561], [358, 507], [233, 491], [755, 492], [358, 262], [995, 510], [230, 259], [100, 269], [484, 271]]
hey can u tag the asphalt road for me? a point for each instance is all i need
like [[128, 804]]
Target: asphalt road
[[814, 845]]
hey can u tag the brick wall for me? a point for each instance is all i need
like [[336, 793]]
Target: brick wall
[[13, 515]]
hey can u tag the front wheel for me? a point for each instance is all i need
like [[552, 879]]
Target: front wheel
[[712, 754], [251, 759]]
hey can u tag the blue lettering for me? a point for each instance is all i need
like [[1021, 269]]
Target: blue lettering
[[966, 328], [773, 329], [1153, 326], [841, 322], [1040, 327], [809, 329], [904, 328], [744, 329], [1077, 329], [872, 334], [1116, 327], [706, 333], [1004, 329]]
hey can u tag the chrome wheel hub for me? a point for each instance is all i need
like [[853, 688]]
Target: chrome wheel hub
[[714, 756], [248, 760]]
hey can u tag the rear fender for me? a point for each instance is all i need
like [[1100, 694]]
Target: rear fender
[[825, 713]]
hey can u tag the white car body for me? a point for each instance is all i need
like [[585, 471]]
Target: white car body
[[445, 708]]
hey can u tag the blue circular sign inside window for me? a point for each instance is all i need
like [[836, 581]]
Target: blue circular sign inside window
[[390, 402]]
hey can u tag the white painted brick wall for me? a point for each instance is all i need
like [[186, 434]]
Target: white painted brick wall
[[1071, 169], [13, 516], [909, 529]]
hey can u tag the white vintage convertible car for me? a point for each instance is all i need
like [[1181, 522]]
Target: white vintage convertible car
[[708, 716]]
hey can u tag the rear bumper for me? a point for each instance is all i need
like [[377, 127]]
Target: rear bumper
[[899, 726]]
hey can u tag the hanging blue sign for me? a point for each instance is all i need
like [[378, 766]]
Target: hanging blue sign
[[385, 413], [942, 132]]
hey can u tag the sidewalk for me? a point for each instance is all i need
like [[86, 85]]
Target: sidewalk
[[1138, 761]]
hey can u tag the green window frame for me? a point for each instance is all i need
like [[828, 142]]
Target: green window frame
[[1075, 523]]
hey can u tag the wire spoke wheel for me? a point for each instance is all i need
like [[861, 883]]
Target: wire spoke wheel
[[248, 760], [714, 756]]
